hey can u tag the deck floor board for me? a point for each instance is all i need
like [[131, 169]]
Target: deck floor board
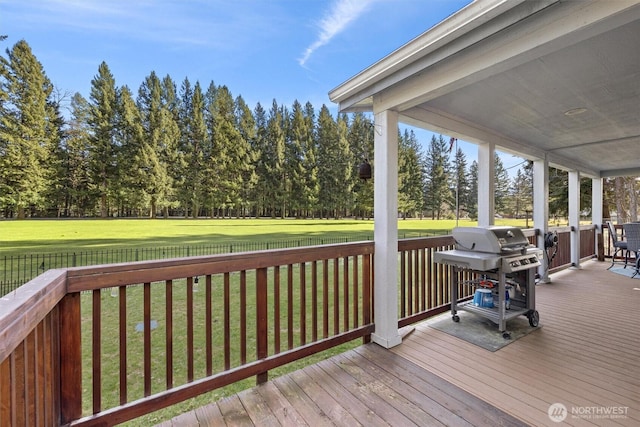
[[585, 355]]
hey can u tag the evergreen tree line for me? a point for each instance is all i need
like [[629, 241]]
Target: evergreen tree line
[[195, 151]]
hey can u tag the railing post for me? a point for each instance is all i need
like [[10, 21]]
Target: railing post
[[70, 359], [261, 321]]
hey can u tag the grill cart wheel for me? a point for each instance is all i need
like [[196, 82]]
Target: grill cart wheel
[[455, 318], [534, 318]]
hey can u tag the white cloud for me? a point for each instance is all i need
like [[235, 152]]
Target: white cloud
[[335, 21]]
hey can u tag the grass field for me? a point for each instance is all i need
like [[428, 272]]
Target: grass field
[[29, 236], [45, 236]]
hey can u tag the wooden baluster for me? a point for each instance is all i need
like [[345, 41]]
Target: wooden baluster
[[147, 339], [356, 292], [40, 368], [262, 350], [19, 392], [345, 292], [52, 357], [412, 294], [209, 325], [96, 351], [290, 305], [314, 301], [336, 296], [122, 296], [325, 298], [403, 285], [70, 359], [423, 279], [276, 308], [243, 317], [189, 329], [303, 304], [227, 324], [6, 403], [168, 286], [416, 280]]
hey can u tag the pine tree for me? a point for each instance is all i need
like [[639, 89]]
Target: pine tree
[[171, 155], [55, 191], [103, 150], [460, 182], [246, 125], [230, 152], [214, 156], [259, 148], [133, 170], [437, 192], [160, 141], [344, 169], [559, 194], [522, 191], [502, 184], [328, 173], [472, 201], [196, 146], [191, 152], [273, 158], [361, 143], [311, 187], [410, 178], [296, 142], [26, 136], [80, 200]]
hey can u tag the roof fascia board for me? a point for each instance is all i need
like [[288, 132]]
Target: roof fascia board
[[570, 23], [620, 172], [462, 22]]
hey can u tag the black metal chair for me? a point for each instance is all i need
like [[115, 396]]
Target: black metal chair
[[632, 235], [619, 245]]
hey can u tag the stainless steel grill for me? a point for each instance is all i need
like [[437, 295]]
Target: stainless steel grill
[[501, 255]]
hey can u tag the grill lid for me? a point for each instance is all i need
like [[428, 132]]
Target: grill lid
[[502, 240]]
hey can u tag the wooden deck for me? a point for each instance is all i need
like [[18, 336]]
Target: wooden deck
[[586, 356]]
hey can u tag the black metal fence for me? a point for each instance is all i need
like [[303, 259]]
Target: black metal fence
[[16, 270]]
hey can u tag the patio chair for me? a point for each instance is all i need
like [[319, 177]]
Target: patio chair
[[618, 244], [632, 234]]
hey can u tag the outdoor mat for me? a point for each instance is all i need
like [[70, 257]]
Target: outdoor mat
[[625, 271], [481, 331]]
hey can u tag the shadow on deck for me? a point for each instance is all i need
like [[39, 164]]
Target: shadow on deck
[[586, 357]]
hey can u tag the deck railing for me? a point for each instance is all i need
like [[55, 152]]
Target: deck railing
[[229, 317]]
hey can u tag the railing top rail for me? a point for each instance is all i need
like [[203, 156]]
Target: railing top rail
[[100, 276], [22, 309], [419, 242]]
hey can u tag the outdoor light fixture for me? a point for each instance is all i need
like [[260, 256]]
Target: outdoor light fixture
[[364, 170]]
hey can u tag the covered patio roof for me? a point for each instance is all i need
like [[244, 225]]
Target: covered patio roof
[[553, 80]]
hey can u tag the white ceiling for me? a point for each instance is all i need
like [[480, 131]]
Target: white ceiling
[[507, 72]]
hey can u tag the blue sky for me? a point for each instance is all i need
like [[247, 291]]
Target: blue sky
[[260, 49]]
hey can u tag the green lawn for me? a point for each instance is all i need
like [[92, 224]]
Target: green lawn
[[47, 236], [40, 236]]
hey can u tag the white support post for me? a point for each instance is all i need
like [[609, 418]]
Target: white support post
[[486, 184], [541, 209], [574, 217], [597, 214], [385, 233]]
